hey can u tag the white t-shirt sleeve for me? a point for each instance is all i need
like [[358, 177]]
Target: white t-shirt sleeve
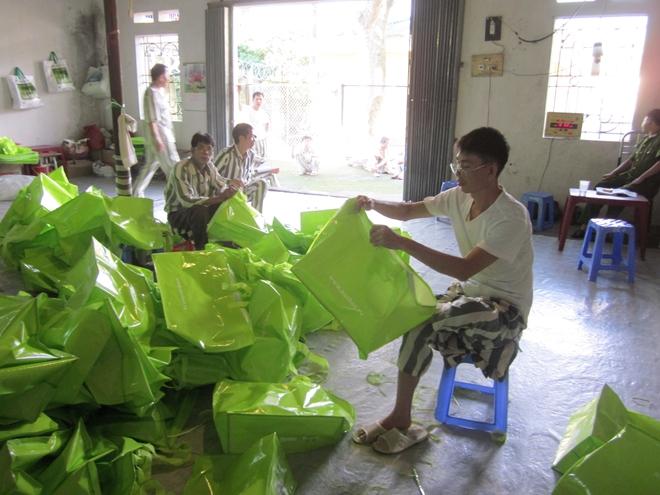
[[504, 238], [439, 205]]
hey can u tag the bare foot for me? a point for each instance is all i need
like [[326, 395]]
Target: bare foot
[[395, 421]]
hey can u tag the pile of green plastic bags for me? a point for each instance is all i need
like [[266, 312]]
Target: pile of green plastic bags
[[608, 449], [101, 361], [12, 153]]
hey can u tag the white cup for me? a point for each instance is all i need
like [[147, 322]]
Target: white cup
[[584, 187]]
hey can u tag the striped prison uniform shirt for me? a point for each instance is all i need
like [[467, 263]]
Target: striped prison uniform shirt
[[231, 165], [188, 186]]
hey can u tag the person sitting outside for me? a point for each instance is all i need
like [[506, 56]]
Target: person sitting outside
[[640, 173], [306, 157], [481, 317], [194, 191], [237, 162]]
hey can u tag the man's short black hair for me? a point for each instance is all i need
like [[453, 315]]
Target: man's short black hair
[[654, 115], [157, 71], [488, 144], [240, 130], [201, 138], [257, 93]]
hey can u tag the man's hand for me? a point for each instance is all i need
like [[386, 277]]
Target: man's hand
[[231, 190], [236, 183], [382, 235], [365, 203], [160, 146], [608, 175]]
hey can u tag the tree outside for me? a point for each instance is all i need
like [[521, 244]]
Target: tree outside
[[334, 77]]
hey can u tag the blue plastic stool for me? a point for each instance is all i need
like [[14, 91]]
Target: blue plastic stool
[[499, 390], [448, 184], [541, 207], [594, 260]]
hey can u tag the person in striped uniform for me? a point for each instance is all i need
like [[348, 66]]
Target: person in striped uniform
[[194, 191], [238, 162]]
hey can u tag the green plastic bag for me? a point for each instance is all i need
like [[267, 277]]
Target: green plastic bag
[[133, 222], [237, 221], [124, 375], [19, 456], [129, 471], [271, 249], [589, 428], [295, 241], [42, 425], [44, 194], [201, 301], [30, 372], [303, 414], [373, 293], [248, 268], [74, 470], [260, 470], [313, 221], [627, 463]]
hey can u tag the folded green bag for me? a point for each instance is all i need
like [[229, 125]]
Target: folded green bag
[[201, 301], [373, 293], [260, 470], [303, 414]]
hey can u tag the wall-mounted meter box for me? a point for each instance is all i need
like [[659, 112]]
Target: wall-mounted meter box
[[563, 125]]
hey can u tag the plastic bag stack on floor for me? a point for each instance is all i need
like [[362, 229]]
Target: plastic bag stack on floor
[[97, 380], [608, 449]]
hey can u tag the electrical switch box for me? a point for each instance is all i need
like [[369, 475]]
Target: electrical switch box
[[493, 28], [490, 64]]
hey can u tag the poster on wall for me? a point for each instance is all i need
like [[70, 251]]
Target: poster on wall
[[194, 77]]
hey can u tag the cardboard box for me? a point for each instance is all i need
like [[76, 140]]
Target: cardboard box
[[78, 168]]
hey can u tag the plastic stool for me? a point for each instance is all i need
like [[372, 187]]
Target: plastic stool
[[448, 184], [618, 229], [543, 205], [499, 390]]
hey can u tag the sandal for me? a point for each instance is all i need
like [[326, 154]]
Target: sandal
[[368, 434], [395, 440]]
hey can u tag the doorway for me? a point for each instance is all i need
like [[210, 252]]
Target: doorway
[[325, 86]]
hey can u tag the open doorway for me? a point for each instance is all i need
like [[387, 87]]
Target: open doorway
[[331, 84]]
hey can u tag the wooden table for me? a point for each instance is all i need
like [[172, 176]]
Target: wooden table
[[640, 204]]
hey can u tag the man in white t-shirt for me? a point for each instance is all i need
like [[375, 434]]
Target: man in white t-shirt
[[159, 143], [260, 122], [483, 316]]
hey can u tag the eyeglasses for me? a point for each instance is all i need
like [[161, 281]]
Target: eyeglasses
[[458, 167]]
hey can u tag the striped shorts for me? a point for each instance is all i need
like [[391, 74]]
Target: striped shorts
[[485, 329]]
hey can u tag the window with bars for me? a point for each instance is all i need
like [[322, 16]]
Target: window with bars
[[594, 70], [152, 49]]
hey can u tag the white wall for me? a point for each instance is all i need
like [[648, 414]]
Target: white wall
[[517, 104], [75, 30]]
